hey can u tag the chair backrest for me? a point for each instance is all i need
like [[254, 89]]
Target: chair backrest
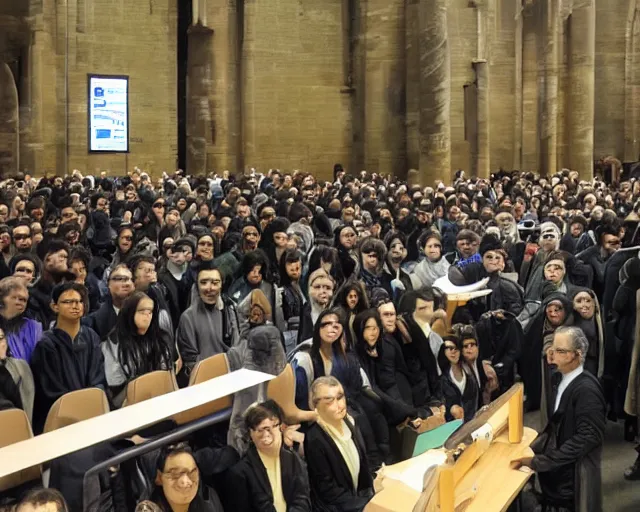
[[15, 427], [282, 389], [76, 406], [150, 385], [207, 369]]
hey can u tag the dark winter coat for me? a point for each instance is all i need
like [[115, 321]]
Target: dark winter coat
[[332, 487], [568, 453], [61, 365], [252, 489]]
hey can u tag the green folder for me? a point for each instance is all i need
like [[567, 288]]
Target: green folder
[[414, 444]]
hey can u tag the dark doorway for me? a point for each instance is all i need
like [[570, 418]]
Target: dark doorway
[[185, 13]]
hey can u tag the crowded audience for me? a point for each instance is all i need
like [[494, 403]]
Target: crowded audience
[[107, 278]]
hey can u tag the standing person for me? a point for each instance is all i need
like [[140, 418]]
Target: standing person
[[210, 325], [568, 453], [68, 357], [336, 458]]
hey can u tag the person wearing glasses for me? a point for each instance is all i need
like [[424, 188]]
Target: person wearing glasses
[[481, 370], [458, 388], [548, 241], [270, 476], [120, 283], [179, 487], [339, 470], [27, 267], [68, 357], [568, 453]]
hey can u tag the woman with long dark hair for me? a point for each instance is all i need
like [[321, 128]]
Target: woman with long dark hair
[[370, 349], [458, 387], [328, 357], [136, 345], [352, 299]]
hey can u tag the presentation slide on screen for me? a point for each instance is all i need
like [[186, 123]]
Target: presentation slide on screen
[[108, 113]]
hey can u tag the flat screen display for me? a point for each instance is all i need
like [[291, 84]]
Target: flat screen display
[[108, 113]]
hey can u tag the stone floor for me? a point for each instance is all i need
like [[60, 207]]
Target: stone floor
[[619, 494]]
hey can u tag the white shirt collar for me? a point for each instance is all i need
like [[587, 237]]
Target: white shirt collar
[[567, 379]]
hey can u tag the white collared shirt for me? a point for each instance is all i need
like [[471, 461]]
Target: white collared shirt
[[567, 379]]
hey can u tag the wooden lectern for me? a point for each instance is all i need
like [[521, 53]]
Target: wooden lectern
[[475, 474]]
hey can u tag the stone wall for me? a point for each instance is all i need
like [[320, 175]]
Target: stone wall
[[305, 84]]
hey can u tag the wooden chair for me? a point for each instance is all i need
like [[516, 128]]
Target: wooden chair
[[76, 406], [207, 369], [150, 385], [15, 427], [282, 389]]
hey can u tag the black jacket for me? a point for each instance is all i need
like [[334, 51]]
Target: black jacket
[[103, 320], [452, 395], [332, 487], [177, 295], [505, 294], [39, 305], [500, 340], [568, 453], [61, 365], [422, 365], [252, 489]]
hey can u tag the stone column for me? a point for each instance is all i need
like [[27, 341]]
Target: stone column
[[9, 121], [632, 84], [582, 84], [483, 155], [435, 93], [517, 121], [412, 83], [549, 118], [385, 135], [200, 127]]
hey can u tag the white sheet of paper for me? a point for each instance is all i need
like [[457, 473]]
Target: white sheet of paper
[[414, 475]]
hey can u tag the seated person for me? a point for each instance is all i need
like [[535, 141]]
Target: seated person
[[68, 357], [339, 472], [178, 485], [16, 381], [269, 477], [22, 333], [458, 386], [136, 345], [43, 500]]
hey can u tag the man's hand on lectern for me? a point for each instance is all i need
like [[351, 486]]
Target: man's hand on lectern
[[522, 461]]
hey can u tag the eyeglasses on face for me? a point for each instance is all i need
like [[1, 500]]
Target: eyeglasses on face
[[329, 323], [329, 400], [451, 348], [561, 351], [264, 430], [176, 474], [71, 302], [471, 344], [121, 279]]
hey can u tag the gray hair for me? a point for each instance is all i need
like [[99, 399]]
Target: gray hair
[[8, 284], [330, 381], [579, 340]]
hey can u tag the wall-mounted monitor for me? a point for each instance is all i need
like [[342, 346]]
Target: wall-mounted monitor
[[108, 113]]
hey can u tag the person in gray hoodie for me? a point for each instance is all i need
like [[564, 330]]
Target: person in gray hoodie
[[210, 325]]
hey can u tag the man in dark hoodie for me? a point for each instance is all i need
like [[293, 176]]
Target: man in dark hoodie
[[68, 357]]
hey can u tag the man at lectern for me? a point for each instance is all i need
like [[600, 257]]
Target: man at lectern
[[568, 453]]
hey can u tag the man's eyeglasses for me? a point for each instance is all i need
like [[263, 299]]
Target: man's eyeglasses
[[71, 302], [471, 344], [21, 237]]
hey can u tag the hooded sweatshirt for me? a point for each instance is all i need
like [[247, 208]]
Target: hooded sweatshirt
[[61, 365], [202, 331]]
